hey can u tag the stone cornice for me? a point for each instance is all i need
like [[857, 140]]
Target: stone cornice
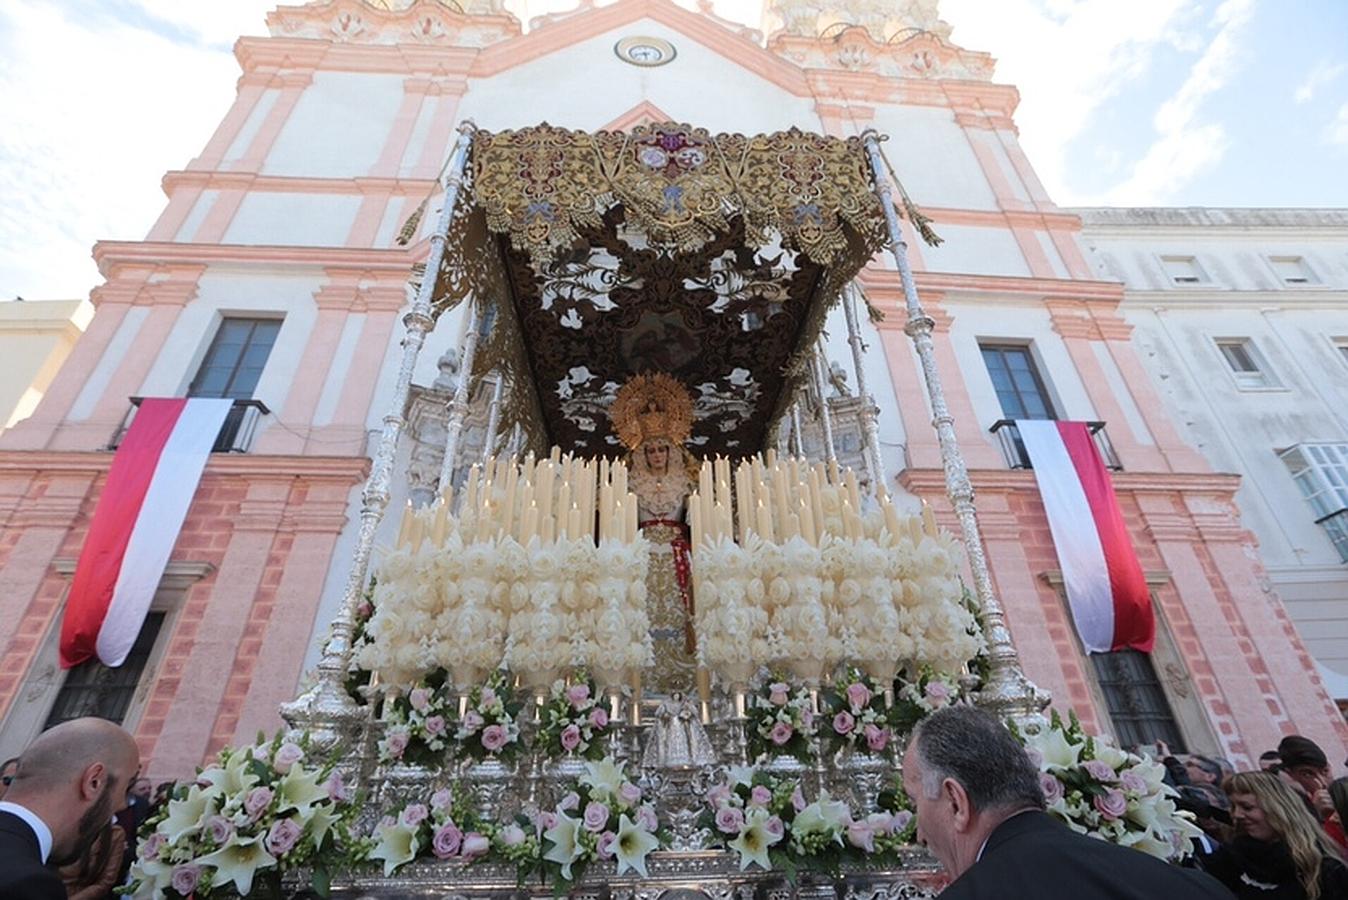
[[954, 284], [927, 481], [215, 179], [1223, 300], [108, 254], [263, 54], [178, 574], [341, 468]]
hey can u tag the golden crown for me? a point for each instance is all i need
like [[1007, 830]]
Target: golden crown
[[651, 406]]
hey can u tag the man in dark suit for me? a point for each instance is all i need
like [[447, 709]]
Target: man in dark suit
[[980, 811], [71, 781]]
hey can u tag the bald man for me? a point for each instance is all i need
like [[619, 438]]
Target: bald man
[[70, 783]]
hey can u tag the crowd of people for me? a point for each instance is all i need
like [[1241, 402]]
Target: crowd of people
[[71, 807]]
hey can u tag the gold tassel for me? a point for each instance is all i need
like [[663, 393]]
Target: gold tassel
[[413, 222], [920, 221], [874, 313]]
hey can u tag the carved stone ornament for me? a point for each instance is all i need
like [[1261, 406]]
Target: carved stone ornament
[[817, 41], [470, 23]]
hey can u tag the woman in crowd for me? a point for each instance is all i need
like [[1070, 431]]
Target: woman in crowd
[[95, 873], [1334, 825], [1279, 852]]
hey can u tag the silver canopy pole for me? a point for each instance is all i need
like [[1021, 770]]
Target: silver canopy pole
[[326, 709], [1006, 691], [870, 430], [825, 417], [458, 406]]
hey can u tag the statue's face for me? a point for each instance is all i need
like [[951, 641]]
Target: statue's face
[[657, 455]]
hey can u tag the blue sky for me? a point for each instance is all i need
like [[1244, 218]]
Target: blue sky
[[1123, 102]]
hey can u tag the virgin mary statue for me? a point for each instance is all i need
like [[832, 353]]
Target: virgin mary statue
[[652, 415]]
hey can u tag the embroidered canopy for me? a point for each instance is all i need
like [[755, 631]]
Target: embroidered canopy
[[601, 255]]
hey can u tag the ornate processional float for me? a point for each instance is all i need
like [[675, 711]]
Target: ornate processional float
[[639, 645]]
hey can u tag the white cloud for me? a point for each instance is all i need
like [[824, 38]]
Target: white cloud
[[1337, 132], [1323, 73], [1068, 57], [1186, 146], [94, 115]]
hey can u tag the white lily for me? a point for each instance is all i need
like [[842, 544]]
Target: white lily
[[186, 815], [300, 790], [632, 846], [397, 845], [1055, 750], [824, 816], [154, 877], [566, 847], [603, 778], [754, 840], [738, 775], [232, 779], [238, 863], [320, 821]]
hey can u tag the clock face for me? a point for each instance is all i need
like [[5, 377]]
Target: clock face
[[644, 51]]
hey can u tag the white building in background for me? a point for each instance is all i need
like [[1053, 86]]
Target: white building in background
[[1241, 316], [35, 338]]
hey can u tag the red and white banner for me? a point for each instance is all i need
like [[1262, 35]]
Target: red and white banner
[[153, 478], [1105, 585]]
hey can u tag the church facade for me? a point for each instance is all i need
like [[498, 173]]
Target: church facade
[[274, 276]]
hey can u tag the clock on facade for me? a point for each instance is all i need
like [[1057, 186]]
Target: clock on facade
[[644, 51]]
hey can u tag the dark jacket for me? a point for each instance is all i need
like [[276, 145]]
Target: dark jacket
[[1033, 856], [1256, 869], [22, 875]]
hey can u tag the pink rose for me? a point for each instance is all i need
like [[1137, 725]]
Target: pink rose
[[1099, 770], [595, 816], [880, 823], [338, 792], [569, 802], [775, 829], [493, 738], [798, 799], [149, 849], [938, 693], [570, 738], [185, 878], [475, 844], [442, 799], [876, 738], [858, 695], [901, 820], [364, 609], [435, 725], [1131, 781], [1051, 787], [1036, 758], [806, 719], [219, 829], [446, 841], [718, 795], [777, 693], [647, 819], [395, 744], [1112, 805], [257, 801], [605, 846], [286, 756], [598, 717], [859, 835], [283, 837], [729, 820], [487, 696], [759, 796], [547, 820], [472, 721], [843, 723], [420, 698], [629, 793], [414, 815], [577, 694], [781, 733], [511, 836]]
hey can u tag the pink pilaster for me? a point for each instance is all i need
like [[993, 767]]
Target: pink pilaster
[[1178, 454], [252, 85], [292, 85], [181, 200], [438, 136], [415, 91]]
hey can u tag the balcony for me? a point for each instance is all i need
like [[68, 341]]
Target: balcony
[[1336, 526], [1013, 448], [236, 435]]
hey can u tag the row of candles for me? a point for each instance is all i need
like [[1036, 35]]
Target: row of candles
[[781, 499], [557, 498]]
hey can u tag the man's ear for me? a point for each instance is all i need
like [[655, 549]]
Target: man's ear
[[961, 813], [92, 781]]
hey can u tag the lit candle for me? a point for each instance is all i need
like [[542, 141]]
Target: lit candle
[[530, 524], [405, 526], [853, 491], [928, 520], [631, 519], [441, 524]]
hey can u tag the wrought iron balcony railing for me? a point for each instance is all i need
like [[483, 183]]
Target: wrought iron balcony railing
[[1013, 448], [1336, 526], [236, 435]]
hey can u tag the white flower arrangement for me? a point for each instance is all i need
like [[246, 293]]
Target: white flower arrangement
[[768, 822], [254, 813], [781, 721], [921, 695], [488, 726], [855, 715], [604, 818], [1095, 788], [573, 720], [418, 725], [444, 827]]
